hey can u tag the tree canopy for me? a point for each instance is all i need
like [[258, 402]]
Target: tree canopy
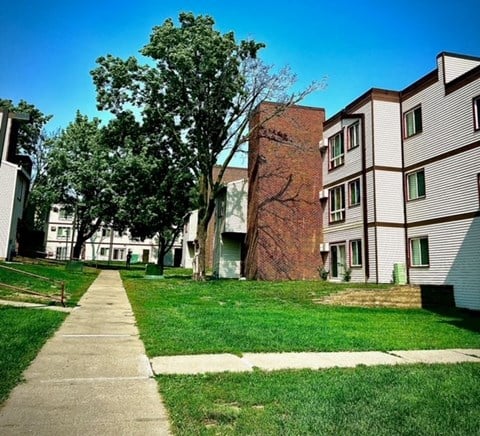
[[201, 92]]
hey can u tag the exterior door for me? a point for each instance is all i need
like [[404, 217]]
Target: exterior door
[[145, 256], [338, 260]]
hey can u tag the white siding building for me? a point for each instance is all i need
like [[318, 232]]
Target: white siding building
[[14, 182], [230, 230], [105, 245], [402, 171]]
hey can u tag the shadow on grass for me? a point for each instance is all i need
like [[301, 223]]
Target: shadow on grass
[[461, 318]]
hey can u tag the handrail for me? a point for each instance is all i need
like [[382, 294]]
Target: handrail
[[47, 279]]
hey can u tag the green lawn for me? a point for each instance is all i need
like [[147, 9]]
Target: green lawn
[[22, 334], [76, 283], [406, 400], [178, 316]]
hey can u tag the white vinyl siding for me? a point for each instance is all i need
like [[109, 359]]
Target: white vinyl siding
[[454, 258], [388, 146], [456, 66], [391, 250], [389, 196], [452, 188]]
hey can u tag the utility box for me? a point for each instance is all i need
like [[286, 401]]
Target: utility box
[[74, 266], [399, 274]]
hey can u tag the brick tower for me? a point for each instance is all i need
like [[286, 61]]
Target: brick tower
[[284, 211]]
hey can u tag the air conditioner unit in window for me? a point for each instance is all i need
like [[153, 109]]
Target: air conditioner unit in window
[[324, 247], [323, 194], [323, 145], [53, 229]]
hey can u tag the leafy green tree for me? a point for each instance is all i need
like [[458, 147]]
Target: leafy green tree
[[151, 184], [80, 178], [209, 85]]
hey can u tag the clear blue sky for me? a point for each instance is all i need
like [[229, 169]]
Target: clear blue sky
[[49, 47]]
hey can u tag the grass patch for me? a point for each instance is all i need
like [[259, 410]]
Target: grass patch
[[406, 400], [76, 283], [179, 316], [22, 334]]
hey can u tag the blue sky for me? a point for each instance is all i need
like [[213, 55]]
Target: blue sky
[[49, 47]]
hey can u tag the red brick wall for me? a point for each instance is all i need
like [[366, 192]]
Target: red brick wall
[[284, 212]]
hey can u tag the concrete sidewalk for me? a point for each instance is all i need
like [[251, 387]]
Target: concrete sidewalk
[[199, 364], [92, 377]]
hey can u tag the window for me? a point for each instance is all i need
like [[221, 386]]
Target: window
[[476, 112], [356, 253], [419, 251], [103, 251], [353, 136], [416, 184], [105, 232], [336, 150], [337, 204], [61, 253], [354, 193], [413, 122], [118, 253], [64, 215], [63, 232]]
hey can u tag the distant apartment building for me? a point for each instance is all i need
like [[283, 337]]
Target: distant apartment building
[[105, 245], [402, 183], [15, 173]]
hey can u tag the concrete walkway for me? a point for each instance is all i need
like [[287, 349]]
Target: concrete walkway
[[198, 364], [92, 377]]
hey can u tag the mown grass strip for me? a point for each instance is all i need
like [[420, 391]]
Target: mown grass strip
[[409, 400], [22, 334], [179, 316]]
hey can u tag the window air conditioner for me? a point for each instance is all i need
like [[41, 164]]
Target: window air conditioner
[[323, 145], [323, 194], [324, 247]]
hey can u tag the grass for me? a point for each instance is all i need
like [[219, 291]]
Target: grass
[[76, 283], [22, 334], [407, 400], [179, 316]]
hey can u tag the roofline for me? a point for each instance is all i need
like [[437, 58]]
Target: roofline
[[458, 55]]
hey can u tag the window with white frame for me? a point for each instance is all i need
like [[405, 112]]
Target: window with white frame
[[354, 193], [413, 121], [64, 215], [353, 136], [336, 150], [337, 204], [356, 253], [419, 251], [476, 112], [103, 251], [61, 253], [416, 184], [118, 253], [105, 232], [63, 232]]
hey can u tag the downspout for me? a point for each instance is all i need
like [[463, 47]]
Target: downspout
[[404, 192], [366, 255], [375, 228]]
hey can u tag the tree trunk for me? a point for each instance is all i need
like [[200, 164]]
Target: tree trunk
[[199, 271], [161, 254], [77, 248]]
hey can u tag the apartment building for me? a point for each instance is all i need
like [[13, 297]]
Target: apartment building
[[105, 245], [15, 173], [401, 183]]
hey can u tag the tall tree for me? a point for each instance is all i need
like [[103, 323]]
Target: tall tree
[[151, 184], [80, 177], [211, 84]]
